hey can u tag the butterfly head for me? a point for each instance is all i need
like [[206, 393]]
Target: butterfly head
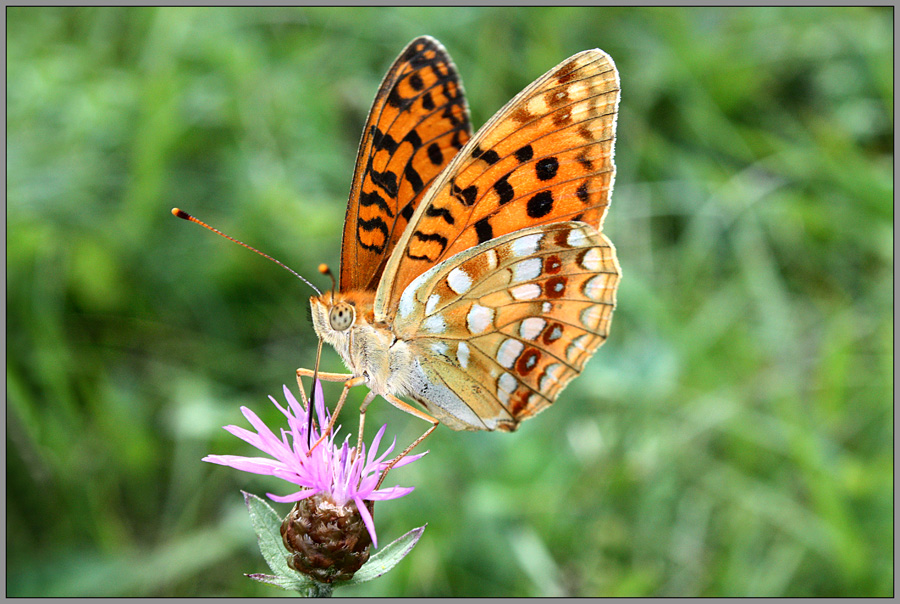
[[333, 312], [335, 315]]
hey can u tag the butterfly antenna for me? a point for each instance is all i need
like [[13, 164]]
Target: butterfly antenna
[[323, 268], [184, 215], [312, 398]]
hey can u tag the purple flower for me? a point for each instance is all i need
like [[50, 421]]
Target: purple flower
[[331, 469]]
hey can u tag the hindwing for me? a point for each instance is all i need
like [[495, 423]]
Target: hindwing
[[499, 330]]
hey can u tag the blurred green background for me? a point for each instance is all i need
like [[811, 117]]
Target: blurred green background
[[732, 438]]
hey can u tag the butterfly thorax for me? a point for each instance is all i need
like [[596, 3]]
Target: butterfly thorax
[[346, 321]]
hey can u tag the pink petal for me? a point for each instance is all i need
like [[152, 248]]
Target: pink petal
[[292, 497], [292, 402], [269, 441], [376, 442], [391, 493], [246, 435], [320, 394], [279, 407], [255, 465], [409, 459], [367, 519], [296, 419], [387, 452]]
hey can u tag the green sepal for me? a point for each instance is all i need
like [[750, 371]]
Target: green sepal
[[267, 525], [296, 582], [386, 558]]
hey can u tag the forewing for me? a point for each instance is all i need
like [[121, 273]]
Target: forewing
[[418, 122], [507, 324], [546, 157]]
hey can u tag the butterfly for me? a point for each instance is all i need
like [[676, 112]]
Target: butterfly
[[474, 276]]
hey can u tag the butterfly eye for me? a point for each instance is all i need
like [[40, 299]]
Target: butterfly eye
[[341, 317]]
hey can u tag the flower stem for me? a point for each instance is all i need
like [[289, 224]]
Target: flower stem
[[319, 590]]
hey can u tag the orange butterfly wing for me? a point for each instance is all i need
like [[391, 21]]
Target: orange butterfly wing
[[417, 124], [546, 157]]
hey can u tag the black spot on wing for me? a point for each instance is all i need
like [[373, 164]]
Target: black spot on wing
[[466, 196], [451, 117], [540, 204], [504, 190], [413, 50], [435, 155], [374, 199], [413, 178], [387, 180], [455, 141], [442, 212], [483, 230], [525, 153], [420, 60], [490, 157], [582, 192], [412, 137], [439, 239], [374, 224], [381, 141], [395, 99], [586, 163], [546, 168]]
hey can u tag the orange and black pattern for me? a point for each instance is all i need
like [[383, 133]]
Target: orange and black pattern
[[546, 157], [475, 276], [418, 123]]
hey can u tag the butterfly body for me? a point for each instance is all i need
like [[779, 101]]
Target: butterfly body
[[475, 278], [369, 350]]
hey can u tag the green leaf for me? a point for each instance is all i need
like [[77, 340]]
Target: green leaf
[[267, 524], [294, 583], [387, 558]]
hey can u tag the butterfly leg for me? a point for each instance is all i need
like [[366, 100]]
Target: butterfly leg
[[348, 384], [328, 377], [412, 411], [303, 398], [362, 419]]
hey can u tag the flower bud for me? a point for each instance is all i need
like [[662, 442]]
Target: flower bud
[[328, 542]]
